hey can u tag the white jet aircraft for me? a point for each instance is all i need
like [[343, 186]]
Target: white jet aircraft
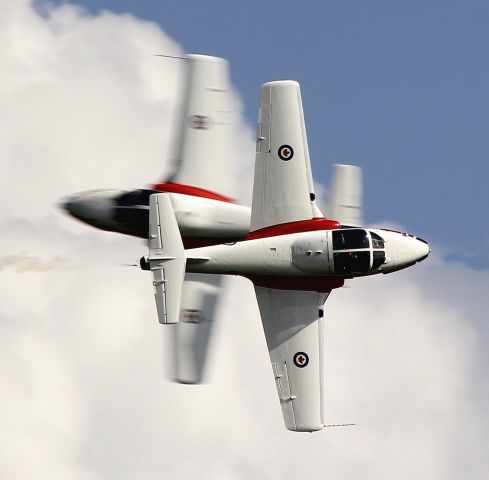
[[293, 255]]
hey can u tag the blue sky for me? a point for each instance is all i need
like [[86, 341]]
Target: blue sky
[[399, 88]]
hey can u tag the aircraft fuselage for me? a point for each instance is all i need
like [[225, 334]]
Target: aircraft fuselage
[[203, 219], [340, 253]]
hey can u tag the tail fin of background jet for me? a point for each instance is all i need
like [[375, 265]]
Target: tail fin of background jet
[[345, 196]]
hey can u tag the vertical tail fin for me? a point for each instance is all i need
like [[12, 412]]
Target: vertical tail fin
[[345, 200], [166, 258]]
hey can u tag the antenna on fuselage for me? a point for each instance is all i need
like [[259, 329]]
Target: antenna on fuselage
[[340, 425]]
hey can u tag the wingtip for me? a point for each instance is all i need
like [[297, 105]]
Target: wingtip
[[306, 428], [282, 84]]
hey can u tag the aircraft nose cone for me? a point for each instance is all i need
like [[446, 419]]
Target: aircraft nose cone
[[424, 249], [83, 207], [67, 204], [403, 250], [94, 208]]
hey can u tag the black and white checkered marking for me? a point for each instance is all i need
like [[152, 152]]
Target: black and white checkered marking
[[285, 152], [301, 359]]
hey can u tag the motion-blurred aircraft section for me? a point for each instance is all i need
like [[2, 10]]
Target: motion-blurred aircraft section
[[201, 188], [204, 152], [345, 195]]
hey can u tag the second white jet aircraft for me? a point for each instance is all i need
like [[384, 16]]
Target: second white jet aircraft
[[200, 187]]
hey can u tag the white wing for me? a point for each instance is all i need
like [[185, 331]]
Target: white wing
[[204, 153], [293, 325], [283, 190], [345, 198]]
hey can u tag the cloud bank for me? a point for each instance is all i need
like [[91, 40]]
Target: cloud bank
[[86, 105]]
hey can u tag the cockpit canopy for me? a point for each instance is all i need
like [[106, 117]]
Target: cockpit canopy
[[357, 251], [377, 240], [348, 239]]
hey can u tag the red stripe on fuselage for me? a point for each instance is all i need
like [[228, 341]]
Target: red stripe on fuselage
[[311, 225], [170, 187]]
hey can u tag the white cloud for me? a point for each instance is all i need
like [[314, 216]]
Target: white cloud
[[86, 105]]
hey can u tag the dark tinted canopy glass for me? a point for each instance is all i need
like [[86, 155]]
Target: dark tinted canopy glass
[[351, 262], [348, 239], [377, 241], [378, 259], [134, 197]]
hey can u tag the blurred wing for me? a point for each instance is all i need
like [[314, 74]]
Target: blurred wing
[[283, 190], [202, 160], [203, 149], [191, 336], [345, 200], [293, 325]]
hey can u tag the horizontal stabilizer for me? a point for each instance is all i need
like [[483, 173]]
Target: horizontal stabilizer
[[166, 258]]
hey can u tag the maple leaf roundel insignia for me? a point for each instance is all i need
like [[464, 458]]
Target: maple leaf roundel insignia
[[200, 122], [301, 359], [191, 316], [285, 152]]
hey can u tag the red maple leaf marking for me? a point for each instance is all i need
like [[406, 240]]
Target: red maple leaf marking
[[191, 317]]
